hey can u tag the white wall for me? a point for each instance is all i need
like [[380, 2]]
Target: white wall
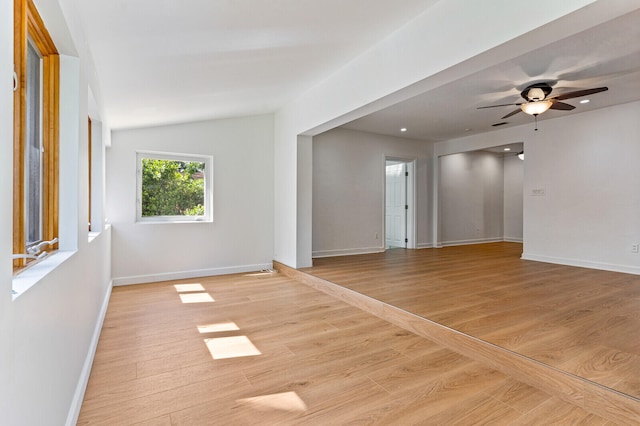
[[587, 165], [471, 198], [241, 235], [402, 66], [513, 198], [348, 190], [56, 324]]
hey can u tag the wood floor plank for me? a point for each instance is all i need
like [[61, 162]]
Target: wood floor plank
[[155, 404], [556, 412], [518, 395], [401, 376], [158, 421], [487, 411]]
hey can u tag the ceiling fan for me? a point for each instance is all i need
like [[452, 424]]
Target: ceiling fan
[[537, 100]]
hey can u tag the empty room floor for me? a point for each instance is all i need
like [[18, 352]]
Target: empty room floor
[[578, 320], [263, 349]]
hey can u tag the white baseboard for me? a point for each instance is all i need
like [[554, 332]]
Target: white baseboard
[[81, 387], [512, 240], [168, 276], [347, 252], [424, 245], [627, 269], [368, 250], [473, 241]]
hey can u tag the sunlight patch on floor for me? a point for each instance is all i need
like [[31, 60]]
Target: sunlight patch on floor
[[196, 298], [231, 347], [286, 401], [216, 328], [181, 288]]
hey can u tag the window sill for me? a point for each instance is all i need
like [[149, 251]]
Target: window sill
[[165, 222], [92, 235], [33, 274]]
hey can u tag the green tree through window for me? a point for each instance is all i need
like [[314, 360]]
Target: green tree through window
[[172, 188]]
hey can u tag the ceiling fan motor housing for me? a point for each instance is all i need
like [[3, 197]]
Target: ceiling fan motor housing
[[536, 92]]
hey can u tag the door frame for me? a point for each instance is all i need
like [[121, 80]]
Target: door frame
[[411, 199]]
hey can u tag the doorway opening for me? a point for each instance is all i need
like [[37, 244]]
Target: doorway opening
[[479, 196], [399, 203]]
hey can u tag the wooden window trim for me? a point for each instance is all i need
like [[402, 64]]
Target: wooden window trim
[[29, 25]]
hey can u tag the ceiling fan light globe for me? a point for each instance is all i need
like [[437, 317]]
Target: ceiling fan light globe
[[535, 108]]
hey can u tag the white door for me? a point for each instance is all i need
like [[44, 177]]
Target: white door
[[396, 204]]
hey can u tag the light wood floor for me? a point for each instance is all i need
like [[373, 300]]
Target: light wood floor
[[579, 320], [308, 359]]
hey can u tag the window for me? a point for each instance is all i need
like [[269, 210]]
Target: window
[[174, 187], [36, 114], [89, 159], [33, 148]]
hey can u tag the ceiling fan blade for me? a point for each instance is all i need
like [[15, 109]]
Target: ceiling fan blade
[[501, 105], [514, 112], [561, 106], [579, 93]]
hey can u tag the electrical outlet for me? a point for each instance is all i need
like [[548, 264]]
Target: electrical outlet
[[634, 248], [376, 235]]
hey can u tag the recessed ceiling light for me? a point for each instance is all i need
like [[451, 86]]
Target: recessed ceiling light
[[584, 101], [404, 129], [507, 149]]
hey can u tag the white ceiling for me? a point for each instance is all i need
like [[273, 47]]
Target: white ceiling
[[164, 61], [168, 61], [605, 55]]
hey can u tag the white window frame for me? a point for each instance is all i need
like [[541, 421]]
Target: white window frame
[[208, 186]]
